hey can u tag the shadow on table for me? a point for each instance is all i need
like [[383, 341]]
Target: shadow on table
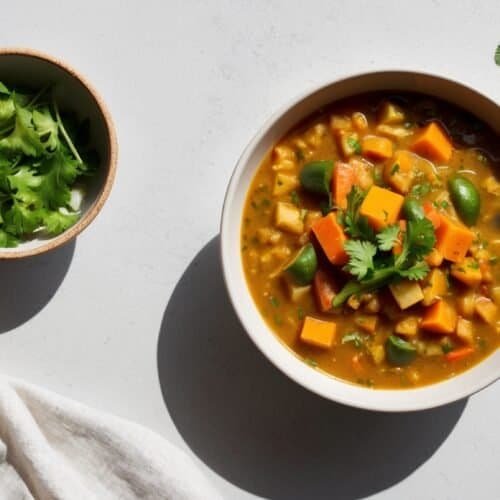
[[28, 284], [261, 431]]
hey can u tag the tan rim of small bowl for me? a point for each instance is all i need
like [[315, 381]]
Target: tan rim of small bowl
[[96, 207]]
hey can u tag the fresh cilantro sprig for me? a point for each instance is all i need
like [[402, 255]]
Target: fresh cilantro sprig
[[39, 165], [373, 268], [355, 224]]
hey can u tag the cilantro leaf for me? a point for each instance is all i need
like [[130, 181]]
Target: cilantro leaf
[[388, 237], [420, 190], [46, 128], [416, 272], [55, 222], [355, 224], [361, 255], [23, 138], [419, 238], [356, 338]]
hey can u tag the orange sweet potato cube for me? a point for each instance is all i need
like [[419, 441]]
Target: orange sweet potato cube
[[441, 318], [318, 333], [433, 143], [381, 207], [331, 237], [453, 240], [378, 148]]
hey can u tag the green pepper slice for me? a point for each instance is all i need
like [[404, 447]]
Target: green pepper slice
[[412, 209], [316, 176], [303, 266], [399, 352]]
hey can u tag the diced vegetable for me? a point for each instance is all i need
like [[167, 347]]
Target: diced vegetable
[[435, 258], [465, 198], [331, 237], [492, 185], [440, 318], [359, 121], [368, 323], [378, 148], [392, 132], [467, 271], [406, 293], [432, 214], [435, 288], [391, 114], [363, 173], [353, 302], [298, 293], [348, 143], [412, 209], [465, 331], [268, 236], [342, 182], [377, 352], [284, 158], [316, 176], [288, 218], [340, 123], [324, 290], [486, 310], [399, 352], [459, 354], [400, 172], [303, 266], [453, 240], [381, 207], [433, 143], [284, 183], [408, 327], [466, 304], [318, 333], [311, 217]]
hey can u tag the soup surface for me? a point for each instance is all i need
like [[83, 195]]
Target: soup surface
[[370, 240]]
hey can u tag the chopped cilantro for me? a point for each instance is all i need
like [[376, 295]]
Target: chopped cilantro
[[295, 198], [274, 301], [395, 169], [311, 362], [388, 237], [354, 144], [356, 338], [300, 313], [420, 190]]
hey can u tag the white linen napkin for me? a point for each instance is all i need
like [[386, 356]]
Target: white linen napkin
[[52, 448]]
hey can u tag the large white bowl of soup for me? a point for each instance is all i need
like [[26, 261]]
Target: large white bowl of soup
[[360, 240]]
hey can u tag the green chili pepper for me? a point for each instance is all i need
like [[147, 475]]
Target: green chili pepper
[[399, 352], [316, 177], [303, 266]]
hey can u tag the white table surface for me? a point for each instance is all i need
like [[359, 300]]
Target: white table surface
[[134, 319]]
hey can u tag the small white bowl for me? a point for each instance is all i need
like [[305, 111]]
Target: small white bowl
[[281, 356], [33, 69]]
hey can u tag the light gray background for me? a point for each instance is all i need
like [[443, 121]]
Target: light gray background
[[125, 320]]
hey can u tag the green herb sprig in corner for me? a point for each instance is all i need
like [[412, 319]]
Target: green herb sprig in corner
[[39, 165]]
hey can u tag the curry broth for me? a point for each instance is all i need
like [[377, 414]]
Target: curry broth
[[475, 156]]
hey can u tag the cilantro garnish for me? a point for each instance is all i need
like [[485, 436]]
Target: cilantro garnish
[[39, 165], [373, 266], [356, 338], [420, 190], [356, 226], [354, 144]]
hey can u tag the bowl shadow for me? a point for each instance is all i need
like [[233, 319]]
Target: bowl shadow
[[29, 283], [259, 430]]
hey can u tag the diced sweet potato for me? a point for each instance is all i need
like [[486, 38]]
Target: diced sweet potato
[[467, 271], [439, 318], [331, 237], [378, 148], [318, 333], [433, 143], [343, 179], [359, 121], [453, 240], [381, 207], [406, 293], [434, 258]]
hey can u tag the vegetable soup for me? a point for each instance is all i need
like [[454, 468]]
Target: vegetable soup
[[370, 240]]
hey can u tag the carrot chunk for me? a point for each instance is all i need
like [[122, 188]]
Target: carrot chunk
[[318, 333], [331, 237], [453, 240], [433, 143], [432, 214], [343, 180], [439, 318], [324, 290], [378, 148], [381, 207], [458, 354]]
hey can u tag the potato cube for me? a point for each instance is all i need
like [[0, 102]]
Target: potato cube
[[348, 143], [407, 326], [359, 121], [377, 352], [468, 272], [297, 293], [400, 172], [340, 123], [391, 114], [392, 132], [466, 304], [285, 183], [289, 218], [464, 331], [486, 310], [406, 293]]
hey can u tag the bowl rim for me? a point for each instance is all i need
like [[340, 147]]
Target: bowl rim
[[94, 209], [294, 372]]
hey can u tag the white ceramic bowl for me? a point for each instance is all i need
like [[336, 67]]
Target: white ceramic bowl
[[33, 69], [280, 355]]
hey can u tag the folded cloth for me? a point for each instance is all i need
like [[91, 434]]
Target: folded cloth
[[53, 448]]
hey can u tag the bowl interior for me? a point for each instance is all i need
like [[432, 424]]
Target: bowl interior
[[34, 72], [332, 388]]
